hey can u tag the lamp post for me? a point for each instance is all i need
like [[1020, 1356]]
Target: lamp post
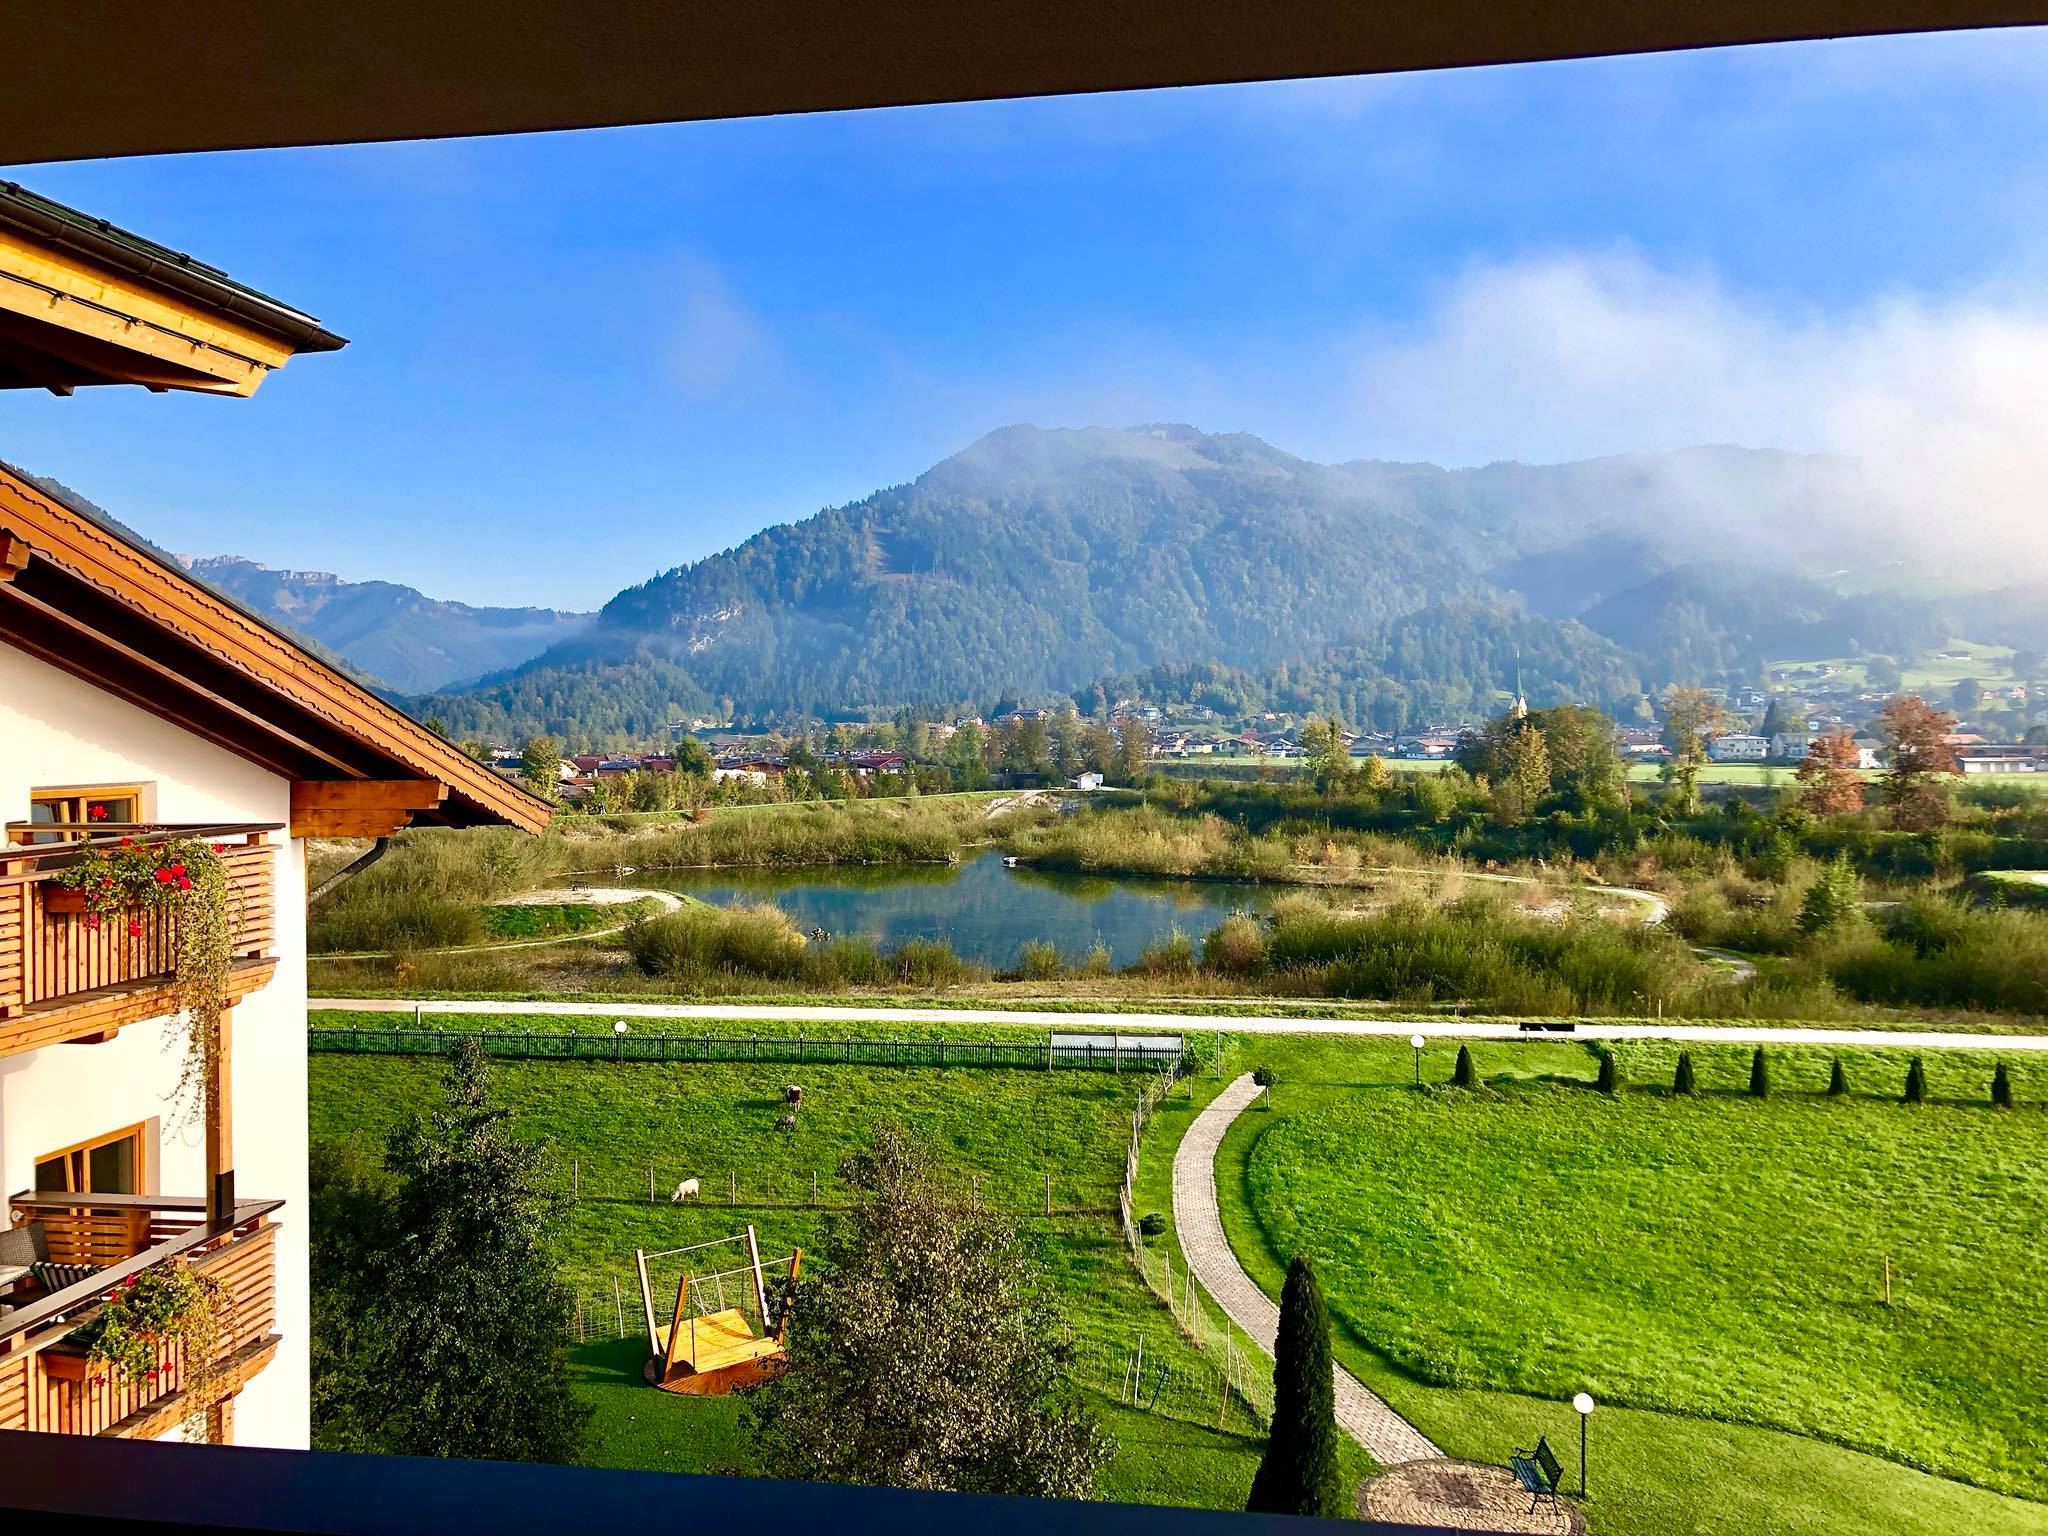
[[1584, 1404], [1416, 1041], [619, 1040]]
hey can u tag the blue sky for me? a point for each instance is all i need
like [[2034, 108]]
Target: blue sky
[[578, 359]]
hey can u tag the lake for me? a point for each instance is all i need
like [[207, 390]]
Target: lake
[[984, 909]]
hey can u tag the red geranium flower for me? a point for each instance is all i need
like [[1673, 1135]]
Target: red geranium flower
[[178, 870], [107, 884], [134, 929], [150, 1373], [92, 919], [163, 877], [218, 847], [184, 882], [96, 812], [127, 842]]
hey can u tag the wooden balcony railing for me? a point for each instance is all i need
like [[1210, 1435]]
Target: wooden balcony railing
[[62, 978], [46, 1383]]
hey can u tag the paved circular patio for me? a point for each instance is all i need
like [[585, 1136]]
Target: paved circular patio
[[1463, 1496]]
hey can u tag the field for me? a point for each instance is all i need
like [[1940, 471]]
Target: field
[[1001, 1132], [1710, 1270]]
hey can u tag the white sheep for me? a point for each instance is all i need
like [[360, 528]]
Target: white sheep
[[687, 1190]]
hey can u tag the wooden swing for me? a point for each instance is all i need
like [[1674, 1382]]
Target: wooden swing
[[709, 1353]]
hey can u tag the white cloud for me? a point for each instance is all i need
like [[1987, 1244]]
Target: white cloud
[[719, 343], [1569, 356]]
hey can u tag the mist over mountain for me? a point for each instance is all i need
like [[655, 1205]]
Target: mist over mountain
[[1040, 562], [401, 637]]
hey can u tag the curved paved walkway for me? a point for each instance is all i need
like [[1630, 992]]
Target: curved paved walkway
[[1389, 1438]]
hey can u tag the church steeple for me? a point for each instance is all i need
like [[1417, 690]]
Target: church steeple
[[1519, 710]]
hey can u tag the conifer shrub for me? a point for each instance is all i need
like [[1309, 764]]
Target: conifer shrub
[[1463, 1075], [1682, 1081], [1610, 1074], [1298, 1475], [1838, 1080], [1916, 1083], [2001, 1087], [1759, 1075]]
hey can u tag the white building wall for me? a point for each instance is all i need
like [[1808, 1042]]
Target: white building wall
[[56, 730]]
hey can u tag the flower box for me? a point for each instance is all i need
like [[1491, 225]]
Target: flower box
[[63, 901], [64, 1362]]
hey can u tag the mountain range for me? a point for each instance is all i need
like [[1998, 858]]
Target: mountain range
[[1037, 563]]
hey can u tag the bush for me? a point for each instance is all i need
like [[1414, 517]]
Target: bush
[[1151, 1224], [1838, 1080], [1463, 1075], [1916, 1083], [1236, 946], [699, 943], [1682, 1081], [2001, 1087], [1610, 1074], [1040, 961], [1759, 1075], [929, 963], [1263, 1076], [1098, 962], [1832, 900], [1173, 955]]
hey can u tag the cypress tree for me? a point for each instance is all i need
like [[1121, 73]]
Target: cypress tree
[[1916, 1083], [1298, 1474], [1463, 1076], [1838, 1080], [1682, 1080], [2001, 1088], [1610, 1077], [1759, 1076]]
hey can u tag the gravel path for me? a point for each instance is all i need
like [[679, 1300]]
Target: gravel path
[[1386, 1436]]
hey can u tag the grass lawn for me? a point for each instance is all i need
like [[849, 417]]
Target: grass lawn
[[1488, 1254], [1008, 1128]]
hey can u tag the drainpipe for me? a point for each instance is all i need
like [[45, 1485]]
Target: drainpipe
[[377, 851]]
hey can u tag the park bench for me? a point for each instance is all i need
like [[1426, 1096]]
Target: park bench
[[1538, 1471]]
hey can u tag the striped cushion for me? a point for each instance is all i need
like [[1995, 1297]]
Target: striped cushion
[[57, 1277]]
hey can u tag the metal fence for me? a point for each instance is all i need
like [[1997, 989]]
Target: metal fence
[[1131, 1053]]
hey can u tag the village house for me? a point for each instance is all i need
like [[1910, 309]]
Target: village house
[[167, 755], [1739, 747]]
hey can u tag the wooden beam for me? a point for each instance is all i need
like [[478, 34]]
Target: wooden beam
[[13, 555], [360, 807], [220, 1123]]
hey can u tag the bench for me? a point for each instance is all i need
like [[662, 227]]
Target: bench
[[1538, 1471]]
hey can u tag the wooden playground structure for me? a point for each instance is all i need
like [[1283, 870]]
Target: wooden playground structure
[[712, 1343]]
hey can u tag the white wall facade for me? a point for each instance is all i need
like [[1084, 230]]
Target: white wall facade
[[55, 731]]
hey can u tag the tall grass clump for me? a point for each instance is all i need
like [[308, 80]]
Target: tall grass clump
[[426, 890], [1236, 946], [905, 832], [1936, 953], [1040, 961], [1149, 840], [699, 943], [1173, 955]]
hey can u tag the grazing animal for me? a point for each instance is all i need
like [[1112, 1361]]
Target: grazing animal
[[687, 1190], [793, 1096], [786, 1123]]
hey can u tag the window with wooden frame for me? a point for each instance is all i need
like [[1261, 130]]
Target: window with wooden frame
[[114, 1164], [70, 810]]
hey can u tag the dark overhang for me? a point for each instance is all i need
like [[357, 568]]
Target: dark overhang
[[136, 77]]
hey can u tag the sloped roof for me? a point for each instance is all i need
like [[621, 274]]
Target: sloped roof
[[91, 600]]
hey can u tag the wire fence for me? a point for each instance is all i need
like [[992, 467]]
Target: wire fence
[[1111, 1053], [1012, 1192]]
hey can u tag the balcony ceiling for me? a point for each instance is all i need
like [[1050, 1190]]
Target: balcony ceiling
[[137, 77]]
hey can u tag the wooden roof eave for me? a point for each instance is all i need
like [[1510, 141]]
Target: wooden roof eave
[[93, 604]]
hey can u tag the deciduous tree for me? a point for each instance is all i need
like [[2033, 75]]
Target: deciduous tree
[[1692, 716], [1829, 772], [925, 1349], [1917, 759]]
